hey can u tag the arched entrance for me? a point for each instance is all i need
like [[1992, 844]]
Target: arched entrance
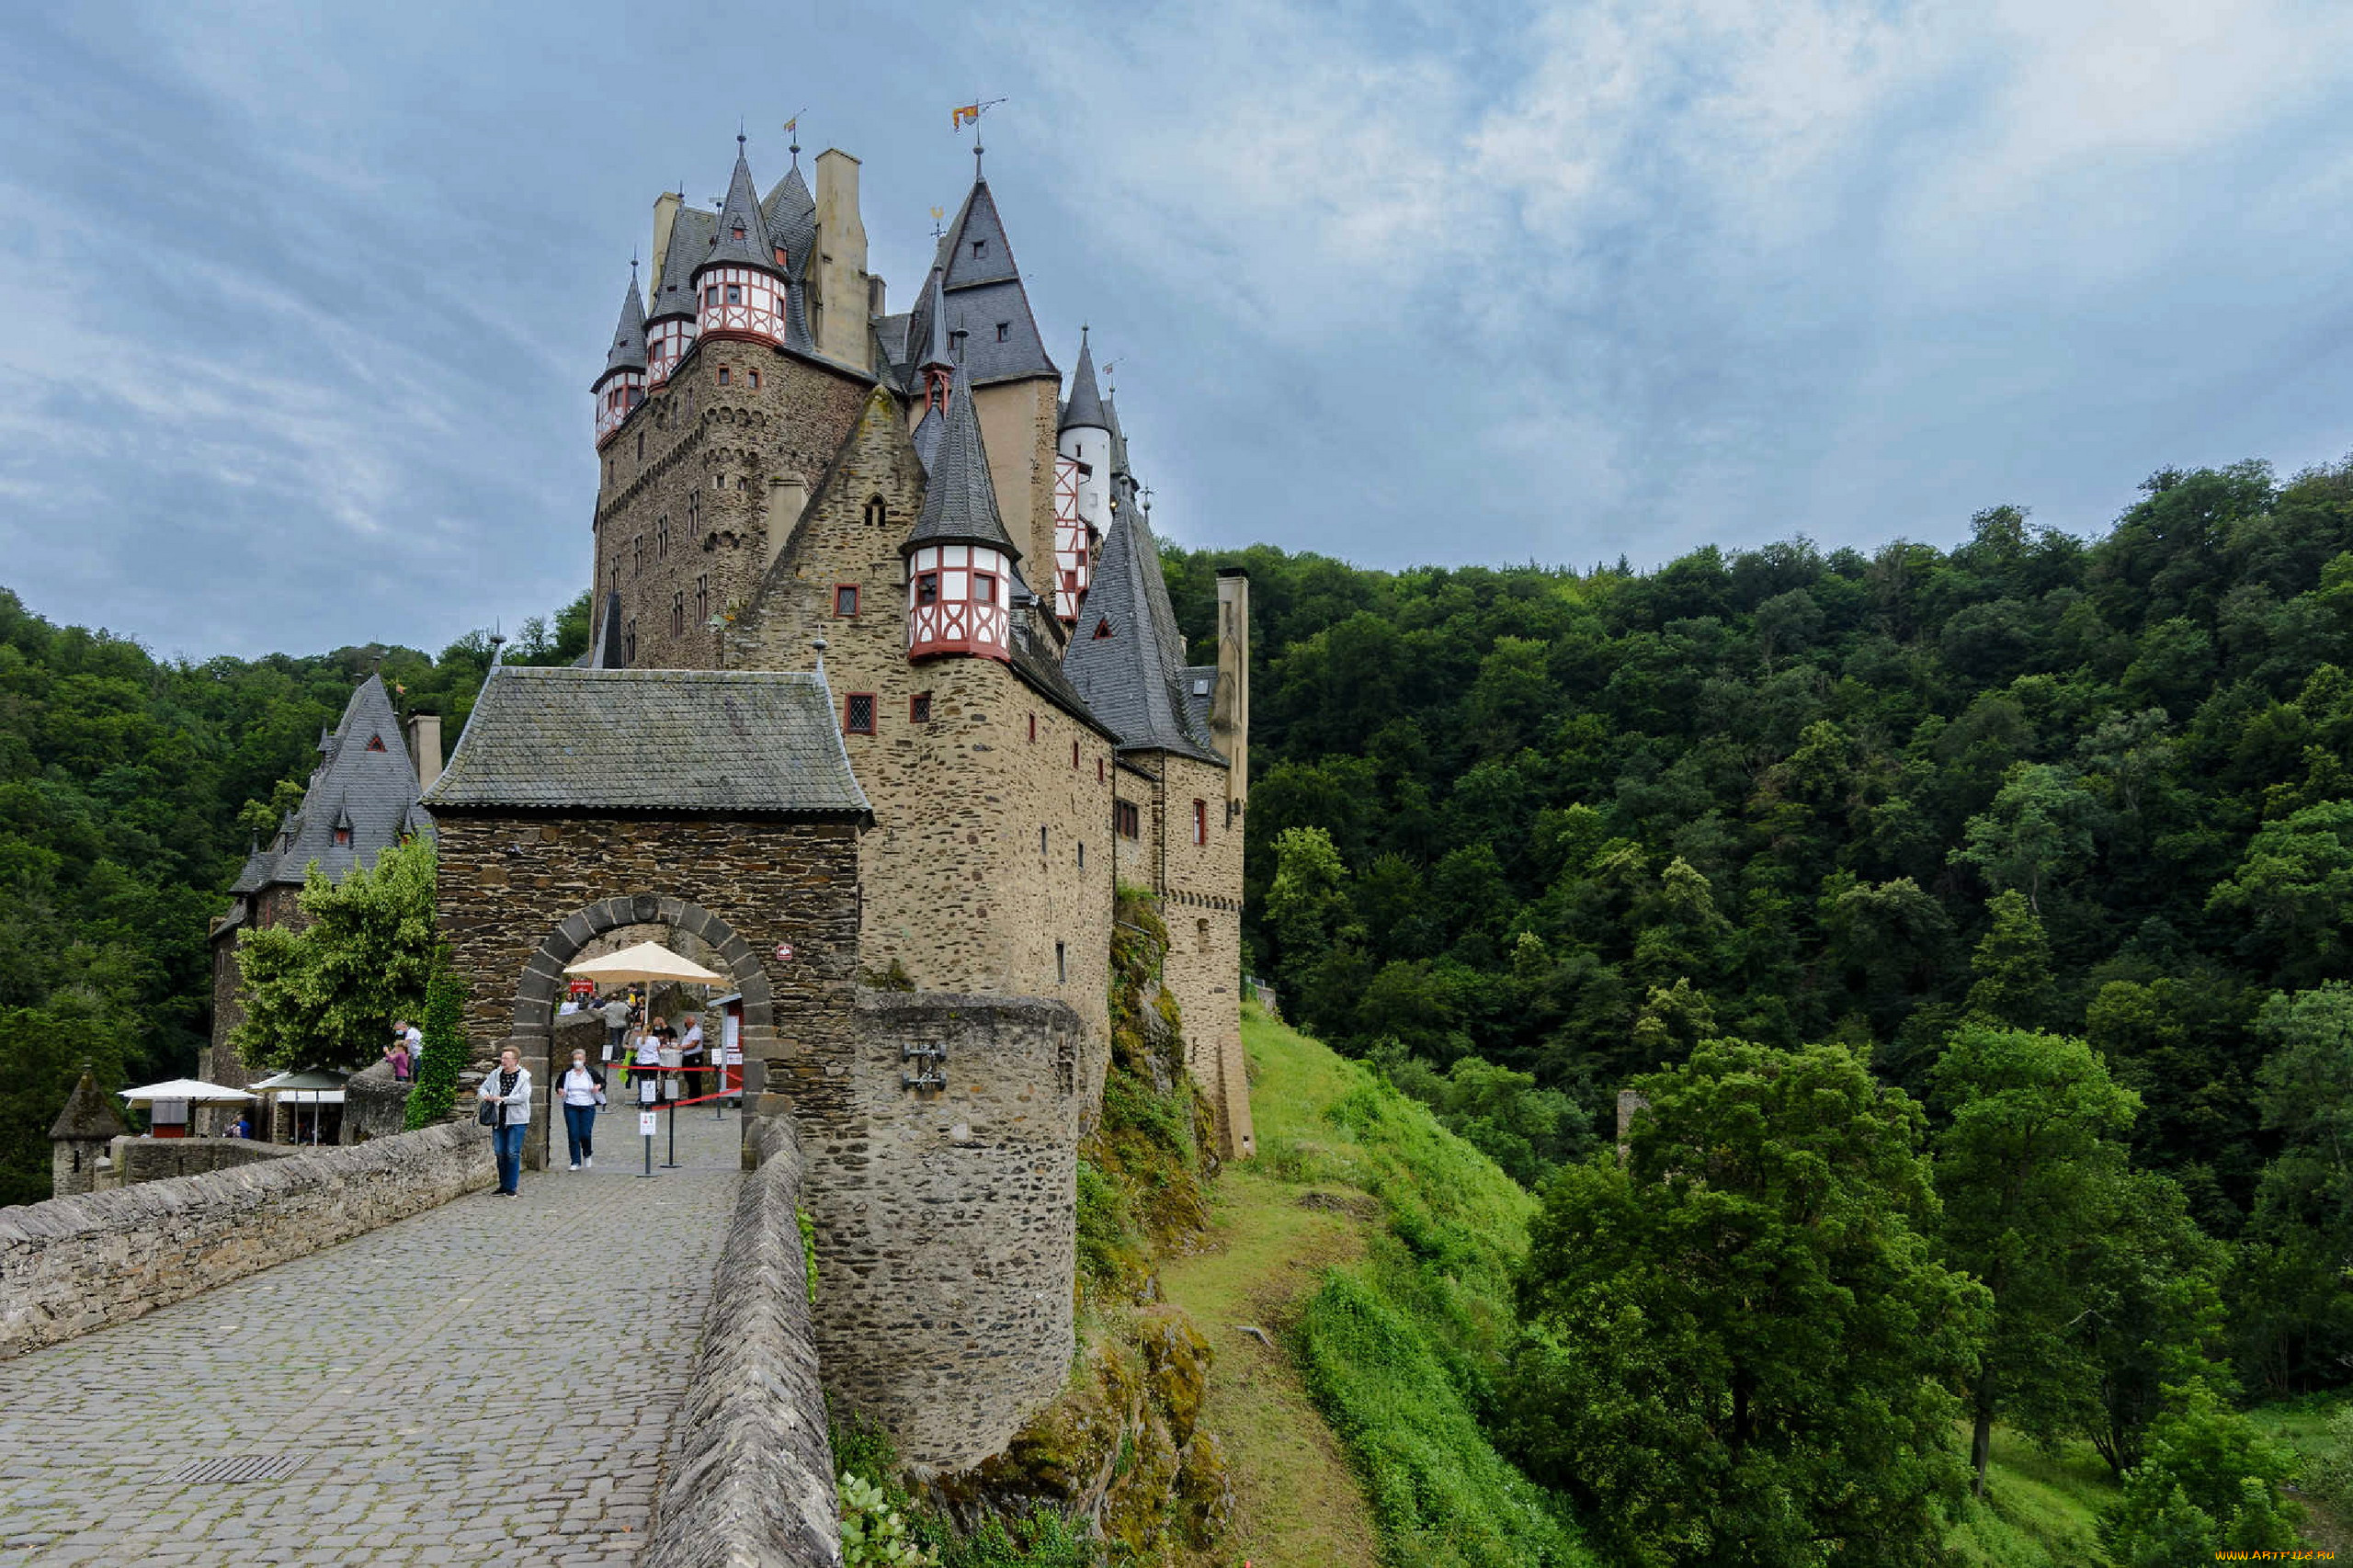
[[541, 986]]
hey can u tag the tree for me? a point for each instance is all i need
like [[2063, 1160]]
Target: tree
[[2013, 966], [435, 1092], [324, 993], [1682, 1308], [2038, 830], [1306, 908], [2301, 1233], [2027, 1170], [2294, 889], [2208, 1482]]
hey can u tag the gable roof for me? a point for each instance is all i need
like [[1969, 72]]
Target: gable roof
[[960, 501], [1124, 653], [365, 787], [691, 743]]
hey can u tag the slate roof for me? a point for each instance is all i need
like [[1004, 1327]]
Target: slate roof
[[927, 437], [1118, 437], [751, 247], [690, 231], [364, 781], [982, 292], [1124, 652], [1085, 409], [89, 1113], [1043, 674], [629, 338], [960, 501], [728, 742], [1198, 682], [792, 215]]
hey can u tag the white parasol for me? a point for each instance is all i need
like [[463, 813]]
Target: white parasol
[[648, 963], [195, 1091]]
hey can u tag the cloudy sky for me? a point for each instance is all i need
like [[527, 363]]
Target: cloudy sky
[[308, 304]]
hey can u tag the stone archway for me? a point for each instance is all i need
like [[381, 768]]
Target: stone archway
[[531, 1021]]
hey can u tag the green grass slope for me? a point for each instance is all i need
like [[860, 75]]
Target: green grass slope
[[1394, 1303]]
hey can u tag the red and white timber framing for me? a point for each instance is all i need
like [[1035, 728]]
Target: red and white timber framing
[[741, 302], [1074, 551], [956, 601]]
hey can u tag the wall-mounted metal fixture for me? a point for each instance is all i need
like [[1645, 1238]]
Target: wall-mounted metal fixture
[[931, 1067]]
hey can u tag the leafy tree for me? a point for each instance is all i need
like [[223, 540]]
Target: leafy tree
[[2012, 966], [435, 1092], [2295, 890], [2038, 831], [2207, 1482], [2028, 1170], [323, 993], [1682, 1307]]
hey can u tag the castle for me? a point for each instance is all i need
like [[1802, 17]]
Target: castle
[[885, 701]]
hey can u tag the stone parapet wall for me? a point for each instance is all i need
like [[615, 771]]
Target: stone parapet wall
[[749, 1481], [375, 1105], [72, 1265], [946, 1216], [133, 1160]]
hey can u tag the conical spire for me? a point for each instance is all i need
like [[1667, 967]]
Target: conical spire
[[88, 1112], [936, 353], [1085, 409], [673, 294], [1124, 657], [629, 338], [742, 239], [960, 504]]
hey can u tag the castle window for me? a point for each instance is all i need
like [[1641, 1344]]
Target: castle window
[[1082, 854], [877, 514], [678, 614], [722, 375], [980, 247], [1126, 821], [1098, 770], [1062, 964], [735, 290], [846, 598], [1103, 627], [641, 446], [1033, 726], [983, 588], [919, 708], [710, 295], [375, 743], [1201, 935], [1073, 754], [1200, 822], [1041, 844], [756, 381], [662, 537], [637, 555], [702, 598], [928, 588], [628, 641], [857, 714], [342, 837]]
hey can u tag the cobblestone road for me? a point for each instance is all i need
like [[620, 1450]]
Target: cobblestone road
[[370, 1363]]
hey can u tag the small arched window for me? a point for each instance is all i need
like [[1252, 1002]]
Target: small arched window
[[877, 513]]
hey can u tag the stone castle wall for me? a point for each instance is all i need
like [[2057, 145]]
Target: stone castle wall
[[72, 1265], [713, 461], [1202, 899], [1019, 424], [945, 1218], [133, 1159], [520, 895]]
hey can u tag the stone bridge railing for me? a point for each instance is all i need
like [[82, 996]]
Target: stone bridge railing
[[72, 1265], [750, 1483]]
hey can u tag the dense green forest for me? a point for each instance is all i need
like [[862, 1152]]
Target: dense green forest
[[130, 789]]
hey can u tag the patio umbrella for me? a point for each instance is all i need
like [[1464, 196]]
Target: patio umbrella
[[650, 963], [195, 1091]]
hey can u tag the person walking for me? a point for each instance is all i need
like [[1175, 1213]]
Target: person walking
[[582, 1090], [505, 1095], [616, 1014]]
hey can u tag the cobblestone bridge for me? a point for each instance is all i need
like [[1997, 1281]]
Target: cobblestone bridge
[[492, 1381]]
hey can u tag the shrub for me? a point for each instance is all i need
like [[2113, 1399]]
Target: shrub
[[435, 1089]]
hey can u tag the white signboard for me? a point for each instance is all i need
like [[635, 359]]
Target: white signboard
[[645, 1123]]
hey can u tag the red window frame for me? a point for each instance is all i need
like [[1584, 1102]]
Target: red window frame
[[735, 290], [919, 708], [1126, 820], [1073, 755], [1200, 822], [1033, 726], [928, 588], [983, 588], [1098, 770], [850, 725], [845, 593]]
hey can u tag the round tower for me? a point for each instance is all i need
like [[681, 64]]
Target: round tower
[[740, 285], [622, 386], [959, 559], [1082, 484]]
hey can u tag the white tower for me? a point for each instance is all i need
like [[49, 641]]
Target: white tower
[[1082, 485]]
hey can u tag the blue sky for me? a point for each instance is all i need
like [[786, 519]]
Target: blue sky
[[307, 304]]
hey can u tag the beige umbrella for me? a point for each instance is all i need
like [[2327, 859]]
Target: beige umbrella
[[648, 963]]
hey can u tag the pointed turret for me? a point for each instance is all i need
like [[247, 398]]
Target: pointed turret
[[959, 558], [739, 281], [1126, 655], [622, 386], [791, 214], [976, 273], [1082, 484], [935, 352], [672, 313]]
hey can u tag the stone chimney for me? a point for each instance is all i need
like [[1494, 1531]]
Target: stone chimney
[[1230, 701], [424, 748], [787, 497], [841, 327], [78, 1140], [666, 219]]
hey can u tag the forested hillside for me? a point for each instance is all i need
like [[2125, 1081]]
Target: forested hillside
[[131, 788], [1565, 825]]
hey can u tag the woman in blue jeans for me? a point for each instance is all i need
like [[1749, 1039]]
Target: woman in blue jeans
[[508, 1088], [582, 1089]]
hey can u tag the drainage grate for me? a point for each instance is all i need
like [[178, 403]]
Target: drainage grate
[[241, 1466]]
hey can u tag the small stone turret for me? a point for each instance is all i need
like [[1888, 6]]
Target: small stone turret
[[83, 1129], [741, 281]]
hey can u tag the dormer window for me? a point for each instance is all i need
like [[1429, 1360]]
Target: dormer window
[[738, 230], [980, 248], [1003, 330], [343, 838], [779, 256], [1103, 629], [375, 743]]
